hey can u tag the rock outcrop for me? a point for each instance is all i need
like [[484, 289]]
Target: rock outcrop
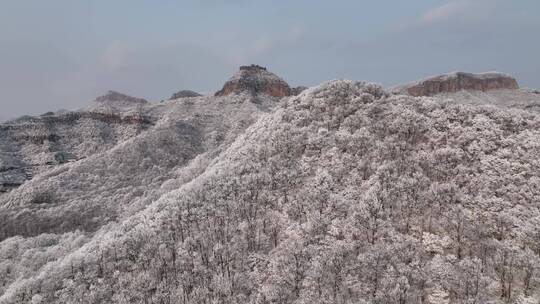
[[454, 82], [184, 94], [255, 80]]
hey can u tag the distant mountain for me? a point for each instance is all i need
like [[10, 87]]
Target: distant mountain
[[492, 88], [115, 97], [184, 94], [115, 103], [458, 81], [344, 193]]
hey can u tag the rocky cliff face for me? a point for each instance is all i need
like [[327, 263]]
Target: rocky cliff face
[[255, 80], [455, 82]]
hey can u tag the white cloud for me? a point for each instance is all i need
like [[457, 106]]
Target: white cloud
[[443, 12]]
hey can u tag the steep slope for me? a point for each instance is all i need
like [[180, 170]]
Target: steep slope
[[343, 194]]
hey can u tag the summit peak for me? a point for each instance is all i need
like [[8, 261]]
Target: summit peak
[[255, 79]]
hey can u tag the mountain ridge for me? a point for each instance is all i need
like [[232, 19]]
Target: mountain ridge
[[342, 192]]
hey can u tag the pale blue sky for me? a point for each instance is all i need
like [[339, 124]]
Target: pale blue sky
[[62, 53]]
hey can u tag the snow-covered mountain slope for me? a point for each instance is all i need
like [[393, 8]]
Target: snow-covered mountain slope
[[31, 145], [343, 194], [93, 191]]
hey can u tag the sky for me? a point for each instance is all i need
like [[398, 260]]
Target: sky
[[61, 54]]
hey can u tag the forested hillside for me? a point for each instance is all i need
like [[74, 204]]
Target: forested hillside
[[343, 194]]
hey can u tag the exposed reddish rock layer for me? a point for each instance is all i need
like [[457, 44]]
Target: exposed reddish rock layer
[[455, 82], [255, 80]]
